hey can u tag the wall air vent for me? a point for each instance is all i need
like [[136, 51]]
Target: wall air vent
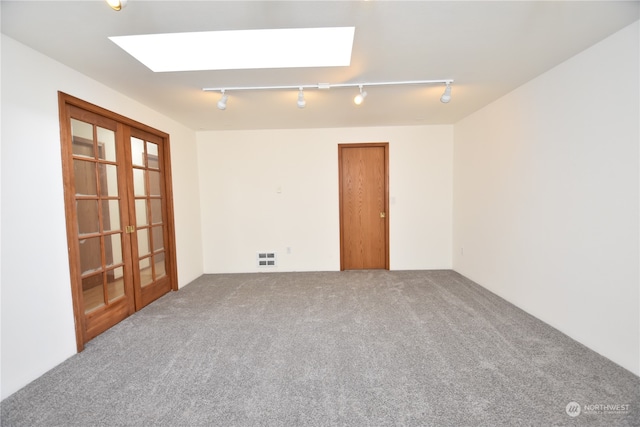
[[266, 259]]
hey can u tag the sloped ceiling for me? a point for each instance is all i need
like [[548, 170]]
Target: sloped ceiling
[[488, 48]]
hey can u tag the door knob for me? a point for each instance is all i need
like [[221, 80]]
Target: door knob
[[383, 215]]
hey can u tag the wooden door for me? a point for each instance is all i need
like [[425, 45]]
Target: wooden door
[[119, 231], [364, 206]]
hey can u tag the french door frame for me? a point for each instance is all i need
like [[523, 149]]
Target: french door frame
[[125, 127]]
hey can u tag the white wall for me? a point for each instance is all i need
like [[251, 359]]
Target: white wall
[[243, 212], [546, 198], [37, 315]]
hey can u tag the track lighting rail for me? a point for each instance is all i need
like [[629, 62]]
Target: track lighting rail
[[222, 103], [324, 86]]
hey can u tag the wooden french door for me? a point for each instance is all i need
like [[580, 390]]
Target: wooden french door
[[119, 215], [150, 229], [364, 206]]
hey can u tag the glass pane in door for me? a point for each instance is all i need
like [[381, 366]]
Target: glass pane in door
[[146, 274], [90, 255], [144, 247], [88, 219], [82, 138], [85, 178], [154, 183], [92, 292], [111, 215], [156, 211], [113, 250], [139, 184], [141, 212], [158, 238], [115, 283], [159, 264], [106, 144], [108, 180], [137, 151], [152, 156]]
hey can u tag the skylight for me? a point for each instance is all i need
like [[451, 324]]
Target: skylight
[[246, 49]]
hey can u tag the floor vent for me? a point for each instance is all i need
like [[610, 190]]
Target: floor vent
[[266, 259]]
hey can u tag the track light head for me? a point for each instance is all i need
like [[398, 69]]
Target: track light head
[[446, 96], [360, 97], [117, 4], [222, 103], [301, 101]]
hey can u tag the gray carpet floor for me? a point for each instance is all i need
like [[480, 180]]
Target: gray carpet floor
[[357, 348]]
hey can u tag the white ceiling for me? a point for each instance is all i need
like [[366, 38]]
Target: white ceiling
[[488, 48]]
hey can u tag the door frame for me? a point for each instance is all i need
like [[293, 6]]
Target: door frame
[[384, 145], [65, 100]]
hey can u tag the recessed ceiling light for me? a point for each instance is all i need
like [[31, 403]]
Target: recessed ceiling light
[[246, 49]]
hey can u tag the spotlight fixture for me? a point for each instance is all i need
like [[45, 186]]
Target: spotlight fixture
[[117, 4], [301, 101], [360, 97], [222, 103], [446, 96]]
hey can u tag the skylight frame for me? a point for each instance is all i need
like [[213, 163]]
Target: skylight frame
[[241, 49]]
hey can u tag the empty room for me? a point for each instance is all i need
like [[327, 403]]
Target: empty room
[[319, 213]]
